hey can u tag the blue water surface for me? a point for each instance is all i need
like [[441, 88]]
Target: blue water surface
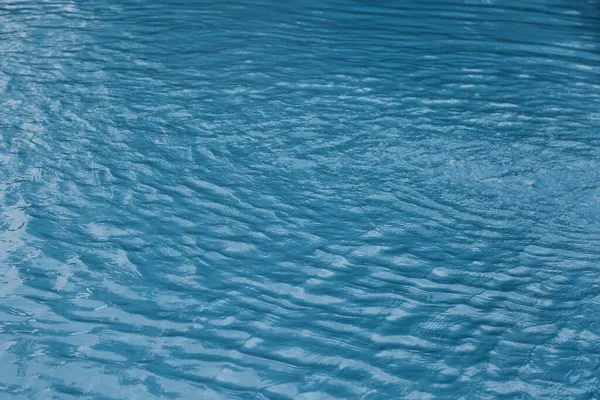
[[333, 199]]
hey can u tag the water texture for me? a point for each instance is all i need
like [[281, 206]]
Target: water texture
[[300, 200]]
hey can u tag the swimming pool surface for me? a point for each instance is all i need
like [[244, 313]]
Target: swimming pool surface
[[300, 199]]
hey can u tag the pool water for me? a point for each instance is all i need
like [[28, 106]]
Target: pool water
[[300, 200]]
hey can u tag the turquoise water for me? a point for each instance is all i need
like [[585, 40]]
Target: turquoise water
[[300, 200]]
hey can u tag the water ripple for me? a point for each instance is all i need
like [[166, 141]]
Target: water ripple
[[333, 200]]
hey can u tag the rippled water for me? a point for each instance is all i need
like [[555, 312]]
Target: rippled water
[[302, 200]]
